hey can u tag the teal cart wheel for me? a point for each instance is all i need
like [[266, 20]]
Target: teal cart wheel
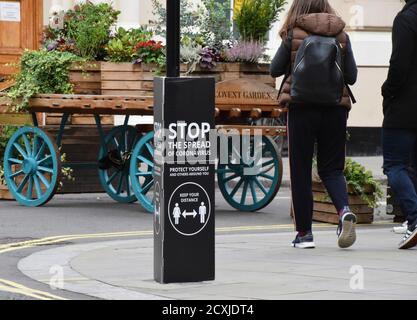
[[252, 186], [117, 151], [32, 166], [141, 171]]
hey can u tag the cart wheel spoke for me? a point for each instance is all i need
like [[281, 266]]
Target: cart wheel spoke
[[27, 145], [35, 145], [244, 193], [16, 174], [150, 149], [38, 188], [268, 163], [40, 151], [225, 170], [253, 191], [45, 169], [144, 160], [48, 157], [113, 176], [260, 186], [148, 187], [15, 161], [119, 186], [30, 188], [128, 184], [43, 179], [143, 174], [23, 183], [20, 150], [236, 188], [233, 176], [266, 176]]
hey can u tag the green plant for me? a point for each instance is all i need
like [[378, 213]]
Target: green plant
[[255, 18], [360, 181], [89, 26], [150, 52], [216, 27], [41, 72], [207, 24], [121, 48]]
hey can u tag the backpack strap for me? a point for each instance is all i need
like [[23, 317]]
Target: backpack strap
[[352, 97], [290, 37]]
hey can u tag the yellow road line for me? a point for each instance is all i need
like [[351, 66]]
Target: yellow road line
[[58, 239], [13, 287], [10, 286]]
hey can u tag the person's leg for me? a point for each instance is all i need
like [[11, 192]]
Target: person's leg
[[398, 145], [301, 139], [331, 152]]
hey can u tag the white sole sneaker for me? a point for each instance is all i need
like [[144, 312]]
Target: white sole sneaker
[[304, 245], [348, 235], [410, 242], [401, 229]]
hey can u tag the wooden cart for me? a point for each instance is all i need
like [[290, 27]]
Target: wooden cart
[[32, 161]]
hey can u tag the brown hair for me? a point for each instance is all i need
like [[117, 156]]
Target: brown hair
[[303, 7]]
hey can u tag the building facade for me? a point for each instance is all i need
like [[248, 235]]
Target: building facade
[[369, 25]]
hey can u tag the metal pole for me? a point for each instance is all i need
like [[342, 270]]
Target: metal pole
[[173, 38]]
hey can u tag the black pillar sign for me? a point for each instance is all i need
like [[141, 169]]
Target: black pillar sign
[[184, 180]]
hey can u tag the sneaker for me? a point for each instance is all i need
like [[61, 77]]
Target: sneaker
[[401, 229], [410, 238], [346, 231], [304, 242]]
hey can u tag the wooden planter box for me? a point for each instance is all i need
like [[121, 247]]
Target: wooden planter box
[[229, 71], [5, 193], [324, 210], [86, 79], [127, 79], [8, 117]]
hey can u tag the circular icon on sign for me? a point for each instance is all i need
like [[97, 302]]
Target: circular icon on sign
[[157, 209], [189, 209]]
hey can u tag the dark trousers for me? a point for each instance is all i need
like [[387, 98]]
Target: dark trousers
[[400, 147], [326, 126]]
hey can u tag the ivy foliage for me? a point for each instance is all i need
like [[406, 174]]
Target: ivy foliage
[[41, 72]]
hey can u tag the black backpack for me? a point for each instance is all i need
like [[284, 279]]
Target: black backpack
[[317, 74]]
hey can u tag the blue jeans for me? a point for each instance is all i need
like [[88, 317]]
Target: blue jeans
[[400, 147]]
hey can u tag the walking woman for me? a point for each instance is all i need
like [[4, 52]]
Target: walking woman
[[318, 63]]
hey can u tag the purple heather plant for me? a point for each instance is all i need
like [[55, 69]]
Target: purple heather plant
[[245, 51]]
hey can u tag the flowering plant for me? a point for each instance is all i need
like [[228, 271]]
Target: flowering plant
[[150, 51], [121, 48], [245, 51]]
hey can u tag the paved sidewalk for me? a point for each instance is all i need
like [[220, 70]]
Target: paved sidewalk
[[248, 266]]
